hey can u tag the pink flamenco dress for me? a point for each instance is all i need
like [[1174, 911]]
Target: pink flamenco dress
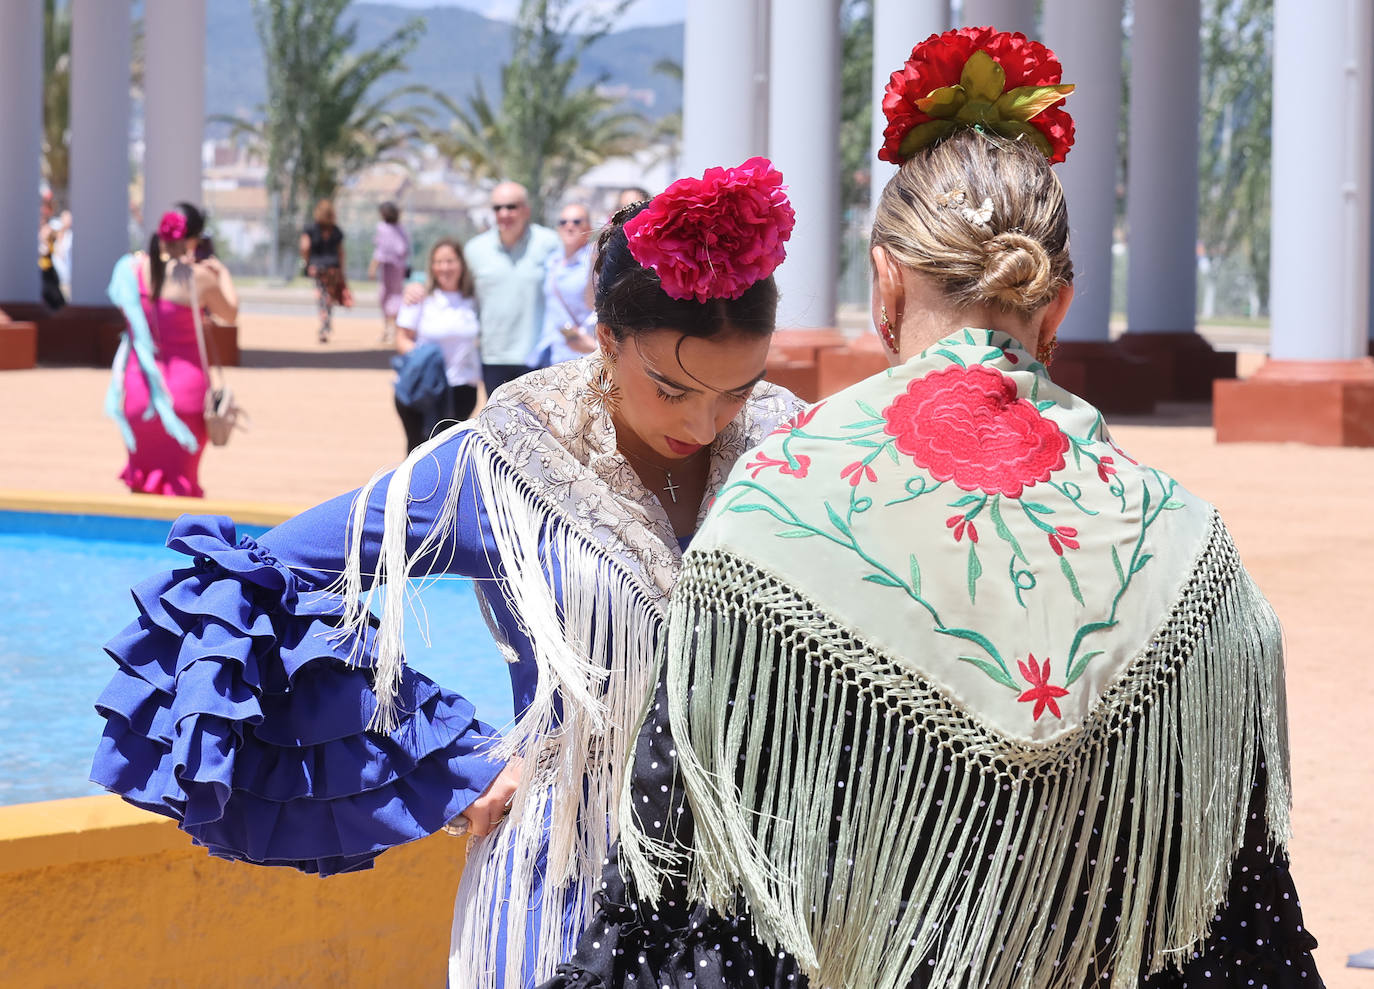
[[157, 389]]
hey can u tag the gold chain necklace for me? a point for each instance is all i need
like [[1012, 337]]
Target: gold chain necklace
[[669, 487]]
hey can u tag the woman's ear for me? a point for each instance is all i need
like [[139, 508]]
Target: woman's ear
[[605, 339], [1055, 311], [889, 295]]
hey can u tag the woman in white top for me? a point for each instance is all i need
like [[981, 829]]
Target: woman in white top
[[447, 318]]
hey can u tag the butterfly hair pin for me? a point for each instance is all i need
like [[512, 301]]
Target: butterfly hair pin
[[957, 200]]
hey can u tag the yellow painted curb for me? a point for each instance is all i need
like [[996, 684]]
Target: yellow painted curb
[[140, 506]]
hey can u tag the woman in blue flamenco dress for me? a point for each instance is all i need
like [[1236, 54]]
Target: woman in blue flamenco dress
[[260, 703]]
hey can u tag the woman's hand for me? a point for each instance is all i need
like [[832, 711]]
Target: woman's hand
[[414, 294], [488, 810], [372, 268]]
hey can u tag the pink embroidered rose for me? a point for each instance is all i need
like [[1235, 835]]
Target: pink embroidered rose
[[966, 425], [713, 237], [172, 226]]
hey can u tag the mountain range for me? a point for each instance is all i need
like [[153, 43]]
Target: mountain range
[[459, 47]]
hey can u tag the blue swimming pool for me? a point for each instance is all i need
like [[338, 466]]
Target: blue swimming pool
[[64, 591]]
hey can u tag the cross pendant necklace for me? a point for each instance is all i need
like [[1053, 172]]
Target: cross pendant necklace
[[669, 487]]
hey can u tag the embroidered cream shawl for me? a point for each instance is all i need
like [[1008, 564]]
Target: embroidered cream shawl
[[1024, 633], [554, 488]]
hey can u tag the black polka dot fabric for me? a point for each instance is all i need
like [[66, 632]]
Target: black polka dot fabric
[[1257, 938]]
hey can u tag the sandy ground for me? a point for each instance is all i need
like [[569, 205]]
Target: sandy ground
[[323, 423]]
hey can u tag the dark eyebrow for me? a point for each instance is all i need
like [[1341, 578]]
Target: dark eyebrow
[[723, 391]]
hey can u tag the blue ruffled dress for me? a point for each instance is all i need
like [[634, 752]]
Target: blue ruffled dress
[[235, 709]]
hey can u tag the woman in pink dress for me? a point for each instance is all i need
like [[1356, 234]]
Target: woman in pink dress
[[157, 389]]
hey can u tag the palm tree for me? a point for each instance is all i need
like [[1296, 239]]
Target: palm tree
[[321, 123], [544, 133]]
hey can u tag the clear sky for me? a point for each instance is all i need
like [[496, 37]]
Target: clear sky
[[640, 12]]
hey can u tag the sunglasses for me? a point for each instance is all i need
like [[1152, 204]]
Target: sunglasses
[[575, 221], [499, 207]]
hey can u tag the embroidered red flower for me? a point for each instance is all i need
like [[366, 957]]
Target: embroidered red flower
[[1063, 536], [959, 523], [1124, 455], [858, 471], [966, 425], [763, 462], [939, 62], [798, 421], [1042, 692], [713, 237], [1105, 470]]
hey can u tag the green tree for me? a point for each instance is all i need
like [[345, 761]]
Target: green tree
[[1237, 114], [544, 132], [57, 88], [856, 104], [322, 121]]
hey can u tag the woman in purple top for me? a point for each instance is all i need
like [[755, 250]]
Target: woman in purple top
[[390, 261]]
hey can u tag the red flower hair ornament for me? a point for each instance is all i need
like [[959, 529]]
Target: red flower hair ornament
[[977, 77], [172, 226], [713, 237]]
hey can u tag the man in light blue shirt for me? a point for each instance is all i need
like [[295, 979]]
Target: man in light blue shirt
[[508, 264]]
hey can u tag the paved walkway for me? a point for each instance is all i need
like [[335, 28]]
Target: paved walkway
[[323, 423]]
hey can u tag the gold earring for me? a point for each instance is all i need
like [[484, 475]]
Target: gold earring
[[885, 329], [1045, 353], [603, 394]]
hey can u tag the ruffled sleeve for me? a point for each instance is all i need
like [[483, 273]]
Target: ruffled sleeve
[[240, 707]]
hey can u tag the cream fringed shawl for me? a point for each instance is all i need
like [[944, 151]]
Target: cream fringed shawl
[[939, 653], [587, 558]]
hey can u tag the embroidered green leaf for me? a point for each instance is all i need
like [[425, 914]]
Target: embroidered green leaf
[[865, 424], [1077, 457], [1082, 665], [1000, 676], [975, 570], [891, 449], [884, 579], [952, 356], [1035, 506], [871, 443], [965, 500], [1076, 668], [751, 506], [1046, 404], [836, 521], [1116, 562], [915, 576], [795, 533], [971, 636], [1073, 581], [1002, 531], [1172, 505], [968, 337], [869, 411], [1139, 564]]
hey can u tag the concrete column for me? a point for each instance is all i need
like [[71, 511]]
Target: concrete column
[[173, 104], [804, 118], [100, 143], [21, 144], [725, 83], [1319, 299], [1318, 386], [1005, 15], [898, 27], [1087, 39], [1161, 203]]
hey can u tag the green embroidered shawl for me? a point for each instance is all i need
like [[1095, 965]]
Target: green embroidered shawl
[[1037, 647]]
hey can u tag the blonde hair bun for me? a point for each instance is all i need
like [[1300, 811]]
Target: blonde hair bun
[[1017, 272]]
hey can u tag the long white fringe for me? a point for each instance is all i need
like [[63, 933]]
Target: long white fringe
[[594, 648], [945, 844]]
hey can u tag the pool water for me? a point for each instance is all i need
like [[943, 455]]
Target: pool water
[[64, 592]]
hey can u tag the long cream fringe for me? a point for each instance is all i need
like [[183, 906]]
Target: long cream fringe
[[977, 868], [594, 648]]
